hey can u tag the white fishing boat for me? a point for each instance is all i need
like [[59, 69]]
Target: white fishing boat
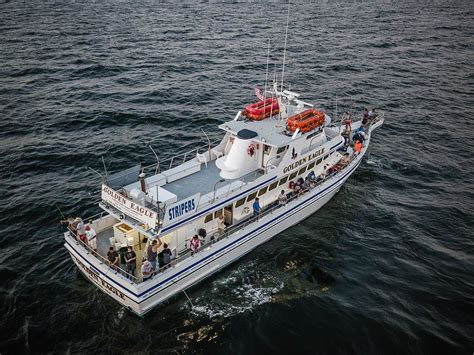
[[279, 161], [292, 157]]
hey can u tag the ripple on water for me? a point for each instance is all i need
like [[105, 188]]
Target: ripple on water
[[386, 265]]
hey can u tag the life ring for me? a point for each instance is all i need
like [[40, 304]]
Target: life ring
[[251, 150]]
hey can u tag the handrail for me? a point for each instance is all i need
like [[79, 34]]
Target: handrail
[[100, 257], [184, 155], [228, 231], [217, 235], [99, 215]]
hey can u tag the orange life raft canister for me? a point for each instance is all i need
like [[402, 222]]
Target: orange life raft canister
[[306, 121], [262, 109]]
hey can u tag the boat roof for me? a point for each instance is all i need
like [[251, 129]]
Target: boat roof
[[269, 131], [206, 181]]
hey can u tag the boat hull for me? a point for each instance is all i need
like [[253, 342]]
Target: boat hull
[[226, 251], [141, 298]]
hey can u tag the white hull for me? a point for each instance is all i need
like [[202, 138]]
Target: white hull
[[141, 298]]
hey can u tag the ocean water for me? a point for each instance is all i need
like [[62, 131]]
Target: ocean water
[[387, 266]]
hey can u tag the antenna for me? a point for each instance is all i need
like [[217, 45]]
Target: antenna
[[275, 89], [284, 49], [266, 77]]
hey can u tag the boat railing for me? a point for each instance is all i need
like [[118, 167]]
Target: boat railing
[[160, 165], [102, 259], [216, 236], [179, 159]]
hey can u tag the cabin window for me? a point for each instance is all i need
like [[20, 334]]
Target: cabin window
[[326, 156], [283, 180], [311, 135], [252, 196], [311, 165], [240, 202], [281, 149], [208, 218], [302, 170], [263, 191], [273, 185], [218, 213], [267, 149], [319, 161], [293, 175]]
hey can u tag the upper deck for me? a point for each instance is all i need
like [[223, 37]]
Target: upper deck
[[271, 131], [151, 198]]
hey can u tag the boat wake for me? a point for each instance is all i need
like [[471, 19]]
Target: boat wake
[[242, 290]]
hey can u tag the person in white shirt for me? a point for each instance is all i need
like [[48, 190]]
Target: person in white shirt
[[80, 229], [91, 237], [282, 199], [147, 270], [220, 224]]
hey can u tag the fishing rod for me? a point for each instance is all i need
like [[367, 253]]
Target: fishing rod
[[62, 214]]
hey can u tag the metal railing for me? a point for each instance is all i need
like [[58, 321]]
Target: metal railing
[[218, 236], [102, 259], [182, 157], [214, 238]]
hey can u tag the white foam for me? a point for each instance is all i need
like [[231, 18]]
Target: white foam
[[242, 290]]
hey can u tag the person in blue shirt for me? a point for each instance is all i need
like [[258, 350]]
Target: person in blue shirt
[[256, 208]]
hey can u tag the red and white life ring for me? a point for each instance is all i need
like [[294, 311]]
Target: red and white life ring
[[251, 150]]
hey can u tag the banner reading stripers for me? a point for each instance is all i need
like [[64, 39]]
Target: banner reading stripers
[[181, 209], [128, 207]]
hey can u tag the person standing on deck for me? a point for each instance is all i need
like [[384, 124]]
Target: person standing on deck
[[357, 147], [220, 225], [152, 251], [91, 237], [123, 263], [80, 229], [147, 271], [131, 259], [282, 199], [348, 121], [365, 117], [256, 208], [194, 244], [113, 258], [167, 254]]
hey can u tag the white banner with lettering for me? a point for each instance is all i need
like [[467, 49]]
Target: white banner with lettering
[[181, 209], [128, 207]]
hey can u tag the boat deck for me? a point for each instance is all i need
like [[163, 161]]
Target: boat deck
[[103, 241], [271, 129], [205, 180]]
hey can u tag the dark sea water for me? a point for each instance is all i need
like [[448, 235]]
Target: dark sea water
[[386, 267]]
